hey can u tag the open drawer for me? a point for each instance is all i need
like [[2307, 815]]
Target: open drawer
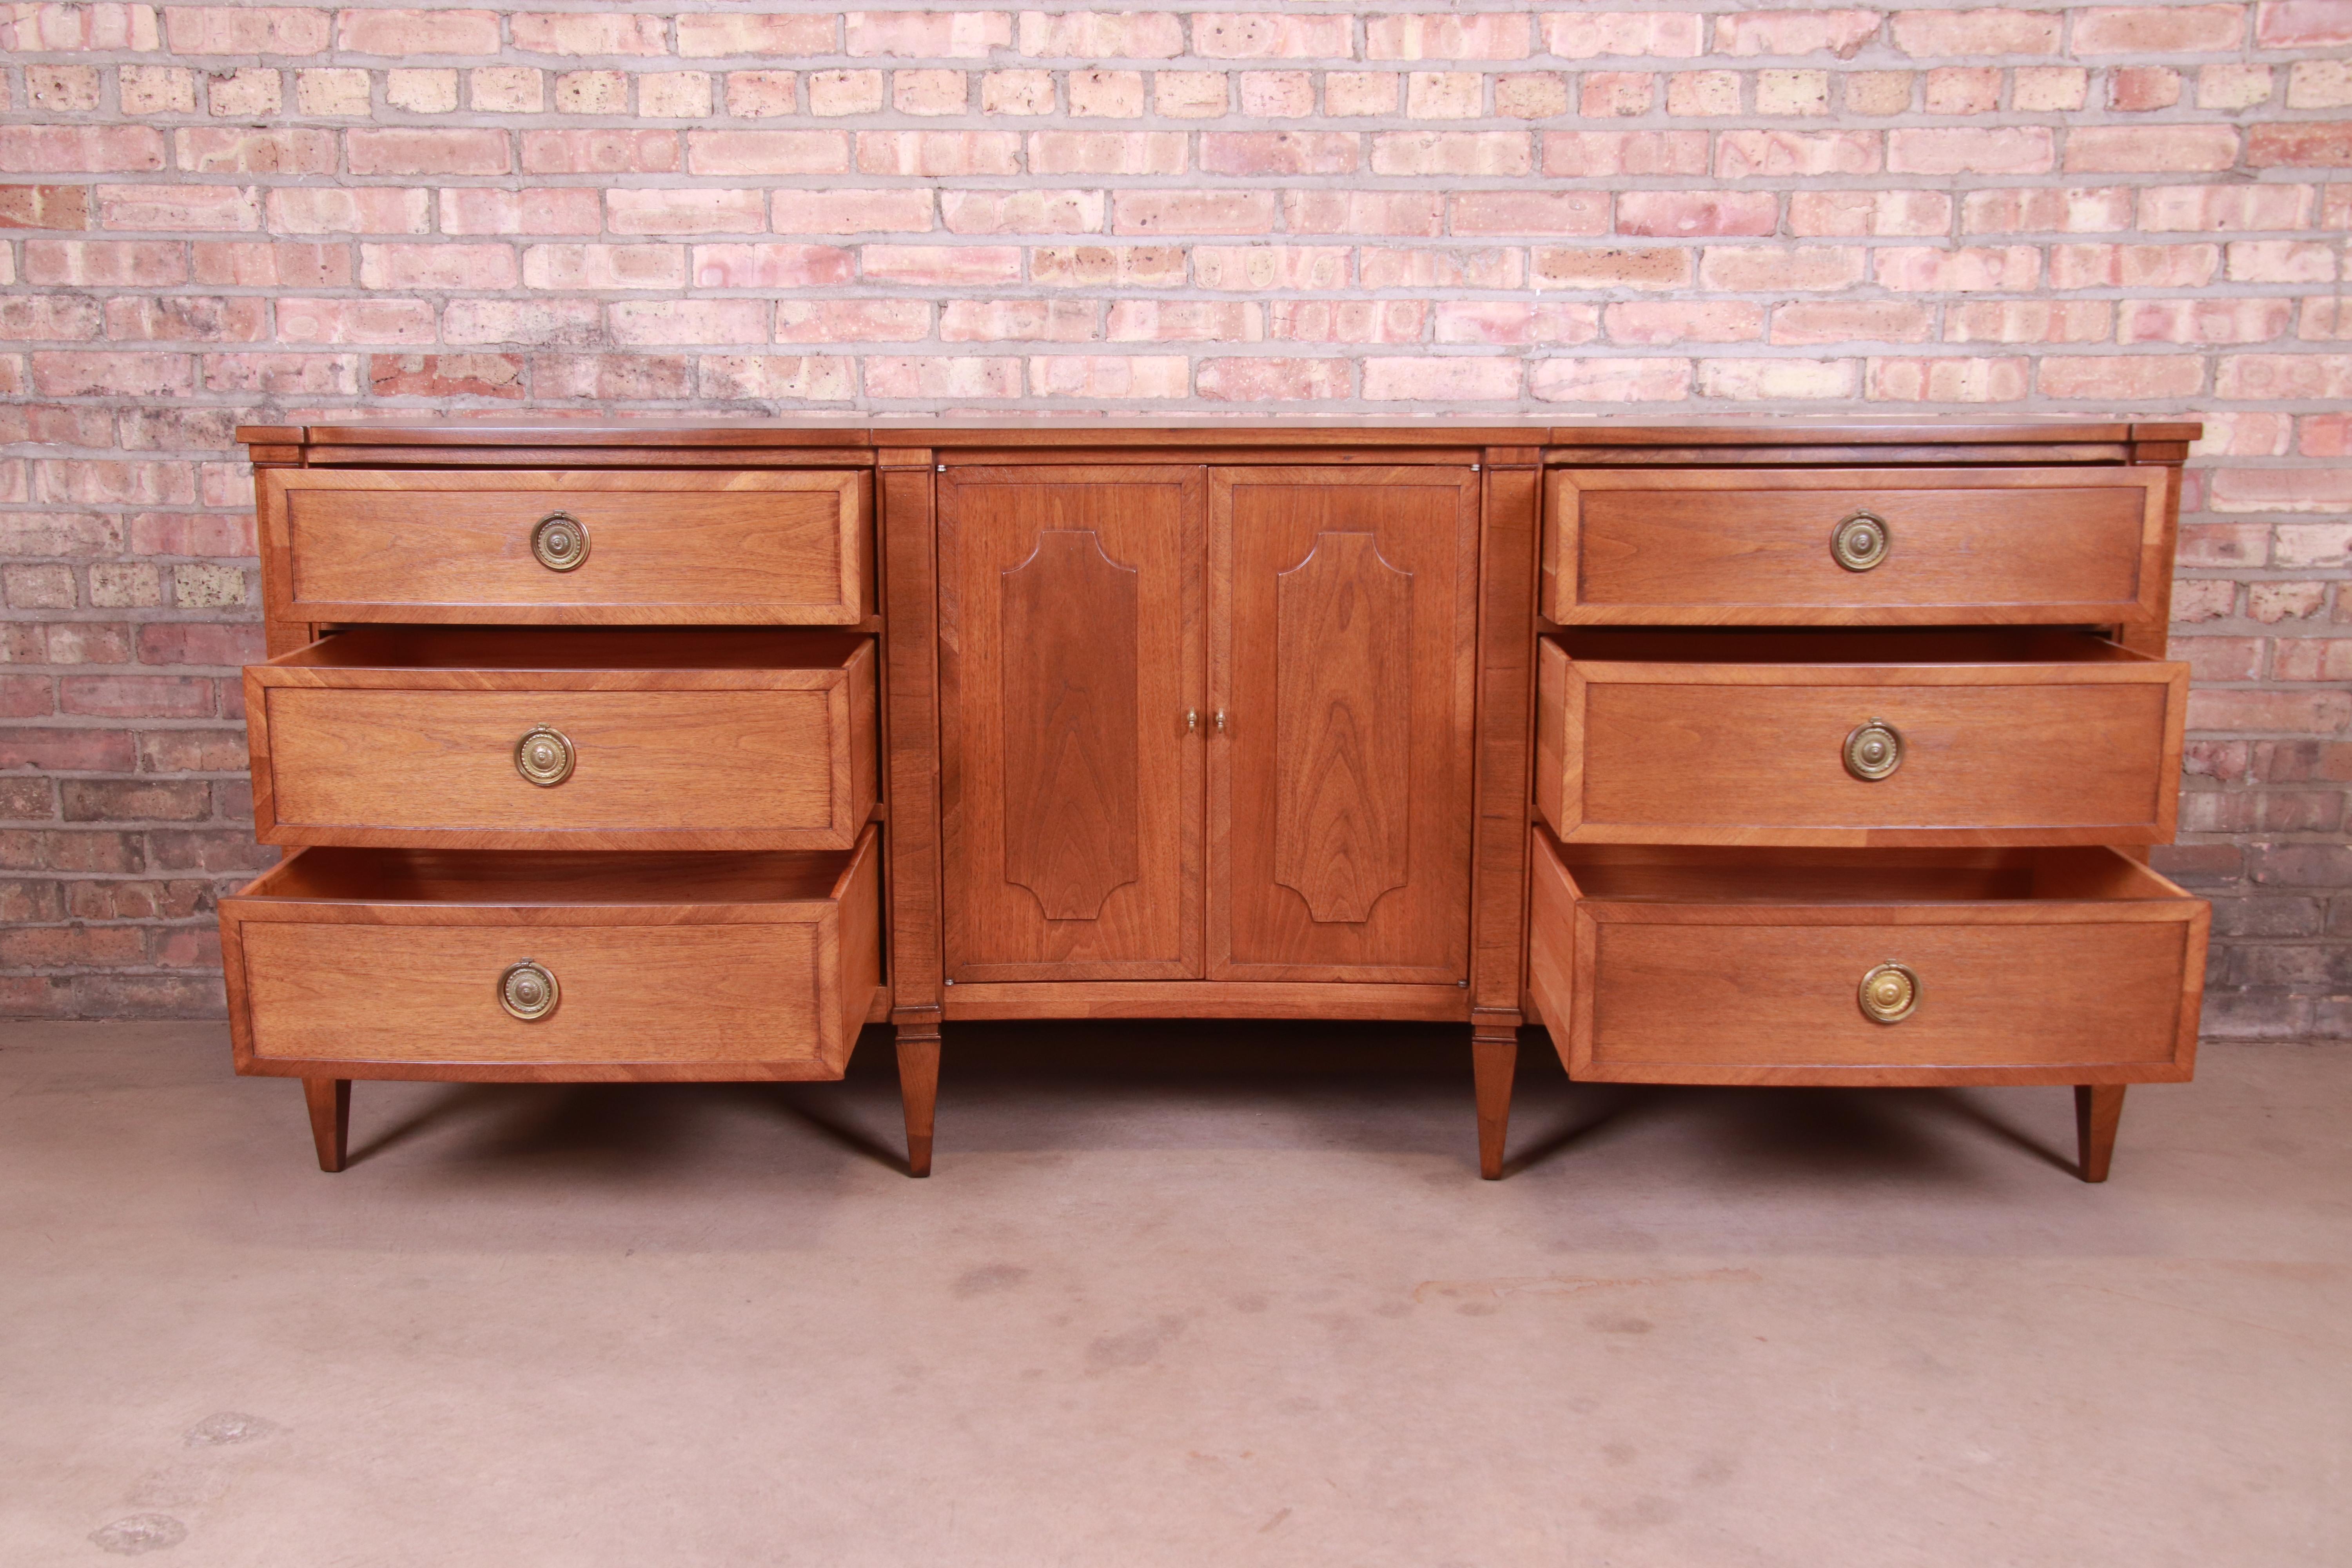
[[1824, 966], [493, 964], [1856, 738], [615, 739]]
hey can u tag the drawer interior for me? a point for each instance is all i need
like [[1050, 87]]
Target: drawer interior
[[1663, 873], [1896, 646], [516, 878], [549, 650]]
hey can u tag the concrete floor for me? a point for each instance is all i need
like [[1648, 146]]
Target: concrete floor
[[1178, 1295]]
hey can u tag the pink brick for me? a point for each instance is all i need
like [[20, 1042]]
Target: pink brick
[[1887, 212], [664, 321], [852, 320], [686, 211], [1947, 380], [1964, 89], [137, 696], [2009, 149], [1107, 151], [940, 265], [608, 152], [2101, 149], [1425, 36], [99, 263], [408, 151], [1587, 379], [1748, 269], [928, 35], [1606, 154], [1272, 380], [850, 211], [2159, 29], [1109, 375], [2043, 209], [2133, 266], [2220, 207], [97, 149], [350, 209], [2139, 89], [1911, 269], [937, 375], [2113, 376], [245, 30], [1107, 267], [1599, 268], [2205, 321], [2029, 321], [1103, 94], [24, 320], [436, 267], [1478, 378], [1589, 34], [1746, 155], [1414, 213], [1605, 93], [39, 28], [2281, 712], [767, 151], [2281, 261], [1576, 213], [1987, 30], [1022, 212], [563, 209], [262, 264], [1773, 380], [2283, 490], [783, 378], [223, 151], [1852, 321], [1660, 322], [1102, 34], [536, 322], [1473, 153], [587, 33], [1250, 152], [2302, 146], [1254, 269], [930, 92], [1182, 320], [770, 266], [168, 207], [2300, 376], [604, 266], [707, 35], [355, 322], [2303, 24], [402, 34], [183, 318], [1271, 95], [1346, 321], [1241, 36], [1672, 214], [935, 154], [1192, 212], [1839, 33], [1511, 322], [1455, 267], [1023, 321]]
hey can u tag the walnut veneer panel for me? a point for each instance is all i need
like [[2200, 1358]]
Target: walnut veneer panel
[[744, 547]]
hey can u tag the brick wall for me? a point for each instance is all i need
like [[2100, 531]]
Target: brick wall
[[210, 213]]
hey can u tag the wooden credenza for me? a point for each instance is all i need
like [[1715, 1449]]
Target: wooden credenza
[[1798, 752]]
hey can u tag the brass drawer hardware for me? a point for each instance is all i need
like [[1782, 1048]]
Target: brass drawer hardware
[[1889, 994], [560, 541], [1874, 750], [1861, 542], [528, 990], [545, 756]]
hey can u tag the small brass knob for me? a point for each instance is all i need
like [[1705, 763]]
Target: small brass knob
[[528, 990], [1889, 994], [545, 756], [560, 541], [1861, 542], [1874, 750]]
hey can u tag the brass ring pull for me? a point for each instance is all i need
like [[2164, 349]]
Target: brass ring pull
[[1191, 720], [1861, 542], [545, 756], [560, 541], [1219, 718], [1874, 750], [1890, 994], [528, 990]]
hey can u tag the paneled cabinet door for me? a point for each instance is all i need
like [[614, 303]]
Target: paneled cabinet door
[[1342, 607], [1070, 655]]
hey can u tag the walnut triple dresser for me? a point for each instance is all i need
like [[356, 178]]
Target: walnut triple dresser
[[1802, 751]]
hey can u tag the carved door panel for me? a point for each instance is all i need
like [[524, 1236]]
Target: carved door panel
[[1343, 615], [1070, 652]]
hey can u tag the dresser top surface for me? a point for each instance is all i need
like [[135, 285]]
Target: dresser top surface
[[902, 432]]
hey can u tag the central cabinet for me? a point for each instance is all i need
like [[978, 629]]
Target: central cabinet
[[1207, 724]]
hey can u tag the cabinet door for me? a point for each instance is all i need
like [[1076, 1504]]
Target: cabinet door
[[1343, 615], [1070, 652]]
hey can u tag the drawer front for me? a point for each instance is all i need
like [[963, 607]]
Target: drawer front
[[1696, 546], [2034, 754], [2010, 991], [766, 548]]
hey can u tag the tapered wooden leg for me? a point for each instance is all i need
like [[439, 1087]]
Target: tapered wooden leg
[[331, 1118], [918, 1087], [2098, 1107], [1494, 1057]]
